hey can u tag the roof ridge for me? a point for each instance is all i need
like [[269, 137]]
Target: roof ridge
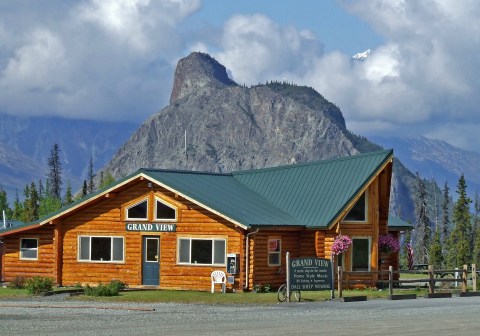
[[312, 163], [166, 170]]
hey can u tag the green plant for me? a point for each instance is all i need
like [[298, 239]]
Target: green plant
[[37, 284], [112, 289], [17, 283], [262, 288]]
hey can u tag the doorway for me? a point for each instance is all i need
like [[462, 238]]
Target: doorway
[[151, 261]]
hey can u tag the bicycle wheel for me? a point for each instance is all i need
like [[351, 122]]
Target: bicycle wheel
[[282, 293], [297, 294]]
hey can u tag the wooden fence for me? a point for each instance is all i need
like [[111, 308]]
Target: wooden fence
[[459, 276]]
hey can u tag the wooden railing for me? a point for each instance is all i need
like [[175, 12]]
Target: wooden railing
[[459, 276]]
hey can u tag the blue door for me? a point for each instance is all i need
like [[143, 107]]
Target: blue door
[[151, 258]]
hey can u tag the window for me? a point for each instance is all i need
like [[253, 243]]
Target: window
[[107, 249], [274, 252], [164, 211], [360, 254], [29, 248], [138, 211], [201, 251], [359, 211]]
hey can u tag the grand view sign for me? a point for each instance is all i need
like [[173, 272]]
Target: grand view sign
[[310, 274], [151, 227]]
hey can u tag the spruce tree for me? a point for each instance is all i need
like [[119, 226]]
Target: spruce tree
[[17, 208], [68, 194], [55, 174], [84, 188], [30, 203], [460, 239], [4, 206], [435, 251], [91, 177], [423, 229], [476, 225], [445, 214]]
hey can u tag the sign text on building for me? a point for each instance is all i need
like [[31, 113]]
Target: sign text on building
[[151, 227]]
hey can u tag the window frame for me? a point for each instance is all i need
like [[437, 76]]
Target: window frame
[[369, 251], [365, 220], [127, 218], [22, 249], [279, 252], [212, 239], [171, 206], [112, 245]]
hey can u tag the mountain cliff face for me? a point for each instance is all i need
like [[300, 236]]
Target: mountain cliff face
[[230, 127]]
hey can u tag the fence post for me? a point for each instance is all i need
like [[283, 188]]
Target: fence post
[[340, 281], [464, 278], [474, 277], [431, 281], [390, 280]]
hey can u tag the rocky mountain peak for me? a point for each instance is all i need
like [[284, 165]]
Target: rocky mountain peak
[[198, 71]]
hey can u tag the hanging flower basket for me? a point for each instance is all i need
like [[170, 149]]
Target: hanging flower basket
[[387, 243], [341, 244]]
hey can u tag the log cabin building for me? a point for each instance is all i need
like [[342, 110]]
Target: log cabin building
[[170, 229]]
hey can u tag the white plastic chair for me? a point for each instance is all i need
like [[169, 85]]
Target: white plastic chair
[[219, 277]]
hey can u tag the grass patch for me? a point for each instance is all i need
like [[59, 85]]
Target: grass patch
[[9, 293]]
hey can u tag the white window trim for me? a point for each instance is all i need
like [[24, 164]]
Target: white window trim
[[167, 204], [366, 212], [190, 256], [279, 252], [131, 206], [23, 249], [369, 252], [90, 250]]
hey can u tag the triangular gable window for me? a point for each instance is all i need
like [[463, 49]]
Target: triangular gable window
[[164, 211], [359, 211], [138, 211]]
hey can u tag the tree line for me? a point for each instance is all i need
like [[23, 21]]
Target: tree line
[[42, 198], [447, 233]]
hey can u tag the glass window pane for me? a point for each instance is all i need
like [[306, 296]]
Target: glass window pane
[[84, 248], [357, 213], [29, 254], [184, 250], [219, 248], [274, 258], [101, 249], [151, 249], [164, 211], [118, 249], [360, 255], [138, 211], [28, 243], [201, 251]]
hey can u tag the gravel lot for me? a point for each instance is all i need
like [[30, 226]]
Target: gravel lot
[[60, 316]]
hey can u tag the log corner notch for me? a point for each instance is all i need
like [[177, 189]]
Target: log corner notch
[[111, 194]]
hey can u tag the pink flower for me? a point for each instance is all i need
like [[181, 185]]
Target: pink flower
[[341, 244], [388, 243]]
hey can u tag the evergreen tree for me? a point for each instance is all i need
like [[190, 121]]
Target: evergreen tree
[[84, 189], [423, 229], [460, 239], [91, 177], [4, 206], [17, 208], [48, 204], [55, 174], [476, 225], [105, 179], [68, 194], [435, 252], [31, 203], [445, 214]]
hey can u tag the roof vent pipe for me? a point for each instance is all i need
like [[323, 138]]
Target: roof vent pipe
[[4, 220]]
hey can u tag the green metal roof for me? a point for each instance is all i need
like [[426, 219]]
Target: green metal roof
[[309, 195], [397, 224], [315, 193]]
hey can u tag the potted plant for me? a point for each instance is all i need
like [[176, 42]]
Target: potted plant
[[341, 244], [388, 243]]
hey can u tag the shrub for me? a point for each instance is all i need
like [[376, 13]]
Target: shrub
[[259, 288], [112, 289], [36, 285], [17, 283]]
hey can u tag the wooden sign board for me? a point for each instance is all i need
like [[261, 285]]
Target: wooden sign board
[[310, 274]]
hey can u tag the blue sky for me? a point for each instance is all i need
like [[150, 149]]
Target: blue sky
[[115, 59]]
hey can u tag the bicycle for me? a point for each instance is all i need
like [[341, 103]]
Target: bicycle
[[282, 293]]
